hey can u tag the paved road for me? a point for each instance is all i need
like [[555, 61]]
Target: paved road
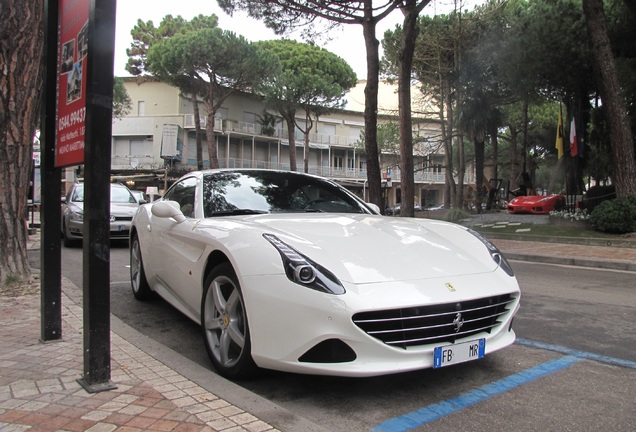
[[563, 308]]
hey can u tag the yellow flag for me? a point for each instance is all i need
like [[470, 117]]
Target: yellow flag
[[559, 136]]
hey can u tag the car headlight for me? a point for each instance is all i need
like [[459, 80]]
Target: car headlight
[[76, 216], [495, 253], [303, 271]]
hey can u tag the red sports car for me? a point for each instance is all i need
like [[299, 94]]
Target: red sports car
[[536, 204]]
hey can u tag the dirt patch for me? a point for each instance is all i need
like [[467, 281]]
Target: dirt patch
[[16, 289]]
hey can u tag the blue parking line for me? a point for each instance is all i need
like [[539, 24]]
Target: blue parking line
[[579, 354], [433, 412]]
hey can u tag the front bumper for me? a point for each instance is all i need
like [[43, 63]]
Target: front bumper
[[288, 321]]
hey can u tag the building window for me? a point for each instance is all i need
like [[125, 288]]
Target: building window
[[141, 108], [354, 134], [135, 147], [337, 162], [221, 113], [249, 117]]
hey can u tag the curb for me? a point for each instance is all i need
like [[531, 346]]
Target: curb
[[263, 409], [590, 241], [577, 262]]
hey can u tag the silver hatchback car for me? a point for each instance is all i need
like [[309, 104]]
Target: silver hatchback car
[[123, 206]]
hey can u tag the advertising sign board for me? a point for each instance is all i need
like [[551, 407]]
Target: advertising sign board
[[71, 82]]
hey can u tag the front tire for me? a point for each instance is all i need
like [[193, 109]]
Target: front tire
[[224, 323], [140, 288]]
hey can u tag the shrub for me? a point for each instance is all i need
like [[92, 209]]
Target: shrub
[[455, 215], [617, 216], [596, 195]]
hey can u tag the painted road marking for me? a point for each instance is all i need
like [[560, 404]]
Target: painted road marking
[[433, 412], [579, 354]]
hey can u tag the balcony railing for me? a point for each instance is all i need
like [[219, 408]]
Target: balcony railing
[[122, 162], [343, 173]]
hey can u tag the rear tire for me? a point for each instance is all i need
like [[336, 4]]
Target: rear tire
[[224, 323], [140, 288]]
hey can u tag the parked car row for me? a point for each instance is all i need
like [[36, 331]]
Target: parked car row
[[123, 205], [260, 258]]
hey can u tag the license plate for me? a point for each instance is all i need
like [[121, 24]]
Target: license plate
[[459, 353]]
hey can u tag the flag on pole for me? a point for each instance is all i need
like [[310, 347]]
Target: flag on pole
[[559, 136], [574, 148]]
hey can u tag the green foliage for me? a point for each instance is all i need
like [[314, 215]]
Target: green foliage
[[388, 137], [597, 194], [122, 104], [455, 215], [268, 123], [309, 76], [211, 62], [617, 216], [145, 35]]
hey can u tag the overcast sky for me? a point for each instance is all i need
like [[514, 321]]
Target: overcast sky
[[347, 43]]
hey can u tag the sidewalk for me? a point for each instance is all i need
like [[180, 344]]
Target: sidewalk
[[158, 389], [581, 255]]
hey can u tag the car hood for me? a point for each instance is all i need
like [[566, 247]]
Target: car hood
[[123, 209], [369, 249]]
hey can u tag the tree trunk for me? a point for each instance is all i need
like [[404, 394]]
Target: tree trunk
[[514, 164], [21, 45], [309, 124], [447, 140], [198, 131], [407, 179], [209, 126], [619, 124], [371, 107], [524, 120], [479, 173], [291, 127]]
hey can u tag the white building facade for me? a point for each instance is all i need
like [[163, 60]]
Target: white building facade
[[156, 142]]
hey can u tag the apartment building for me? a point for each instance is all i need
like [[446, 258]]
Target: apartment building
[[156, 142]]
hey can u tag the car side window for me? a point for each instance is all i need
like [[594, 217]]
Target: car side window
[[184, 192]]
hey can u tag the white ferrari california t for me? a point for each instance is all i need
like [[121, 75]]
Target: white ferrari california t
[[293, 272]]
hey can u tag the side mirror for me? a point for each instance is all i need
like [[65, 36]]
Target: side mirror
[[168, 209], [373, 207]]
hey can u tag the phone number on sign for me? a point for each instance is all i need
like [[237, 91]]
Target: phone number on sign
[[72, 119]]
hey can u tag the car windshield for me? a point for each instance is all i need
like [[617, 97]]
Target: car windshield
[[272, 191], [121, 195], [117, 195]]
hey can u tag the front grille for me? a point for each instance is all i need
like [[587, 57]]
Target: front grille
[[120, 234], [123, 218], [434, 324]]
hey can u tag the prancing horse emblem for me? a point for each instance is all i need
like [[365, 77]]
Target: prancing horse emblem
[[458, 322]]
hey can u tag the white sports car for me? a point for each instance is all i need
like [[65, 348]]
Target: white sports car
[[292, 272]]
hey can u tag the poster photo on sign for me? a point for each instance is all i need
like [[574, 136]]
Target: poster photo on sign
[[71, 96]]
